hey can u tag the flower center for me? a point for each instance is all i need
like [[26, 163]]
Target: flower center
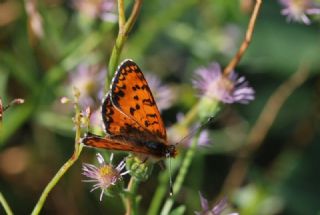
[[106, 170], [298, 7], [225, 84]]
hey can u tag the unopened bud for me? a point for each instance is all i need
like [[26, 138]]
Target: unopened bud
[[138, 168], [64, 100]]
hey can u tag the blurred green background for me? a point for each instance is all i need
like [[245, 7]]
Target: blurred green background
[[44, 44]]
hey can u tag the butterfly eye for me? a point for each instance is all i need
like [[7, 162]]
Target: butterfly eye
[[171, 151], [168, 154]]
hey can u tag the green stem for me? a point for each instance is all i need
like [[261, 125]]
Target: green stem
[[181, 176], [191, 116], [159, 194], [133, 16], [55, 180], [160, 21], [114, 58], [1, 112], [130, 199], [77, 151], [5, 205], [124, 29], [121, 16]]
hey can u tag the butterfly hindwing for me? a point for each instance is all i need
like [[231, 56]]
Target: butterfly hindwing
[[119, 144]]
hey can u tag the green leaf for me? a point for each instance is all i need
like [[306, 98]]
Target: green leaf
[[3, 81], [179, 210]]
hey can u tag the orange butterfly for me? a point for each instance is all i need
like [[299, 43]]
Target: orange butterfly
[[131, 117]]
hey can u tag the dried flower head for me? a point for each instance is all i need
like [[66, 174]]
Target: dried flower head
[[219, 208], [105, 175], [64, 100], [34, 19], [17, 101], [213, 84], [297, 10]]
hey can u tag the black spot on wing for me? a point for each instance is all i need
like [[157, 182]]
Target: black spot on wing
[[144, 87], [107, 113], [123, 87], [137, 87], [147, 123], [132, 110], [148, 102], [120, 93], [152, 115]]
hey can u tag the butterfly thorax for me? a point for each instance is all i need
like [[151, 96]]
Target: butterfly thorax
[[159, 149]]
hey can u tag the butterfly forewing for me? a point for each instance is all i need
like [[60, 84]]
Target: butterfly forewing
[[131, 95]]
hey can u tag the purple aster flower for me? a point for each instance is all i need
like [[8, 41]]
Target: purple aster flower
[[297, 10], [103, 9], [96, 120], [204, 139], [89, 80], [105, 175], [184, 136], [218, 208], [213, 84], [163, 94]]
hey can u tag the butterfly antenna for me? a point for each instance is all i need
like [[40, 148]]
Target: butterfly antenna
[[196, 129], [170, 178]]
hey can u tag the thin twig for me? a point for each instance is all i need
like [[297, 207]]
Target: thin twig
[[260, 129], [134, 15], [275, 102], [245, 43]]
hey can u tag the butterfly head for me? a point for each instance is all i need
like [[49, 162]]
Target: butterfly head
[[171, 151]]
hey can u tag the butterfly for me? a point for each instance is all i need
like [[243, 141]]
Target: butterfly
[[131, 117]]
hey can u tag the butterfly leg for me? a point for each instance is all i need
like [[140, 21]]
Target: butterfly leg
[[145, 160], [162, 165]]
